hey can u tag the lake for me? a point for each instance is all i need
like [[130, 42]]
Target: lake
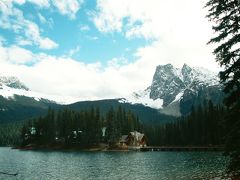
[[110, 165]]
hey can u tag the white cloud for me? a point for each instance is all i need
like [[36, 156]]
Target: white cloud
[[84, 28], [16, 55], [19, 55], [178, 30], [18, 1], [42, 18], [93, 38], [33, 33], [73, 51], [118, 62], [162, 53], [3, 55], [40, 3], [46, 43], [68, 7], [2, 40], [22, 41], [13, 19], [68, 77], [65, 7]]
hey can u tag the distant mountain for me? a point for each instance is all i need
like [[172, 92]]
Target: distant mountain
[[12, 86], [17, 102], [12, 82], [21, 107], [145, 114], [175, 90], [172, 93]]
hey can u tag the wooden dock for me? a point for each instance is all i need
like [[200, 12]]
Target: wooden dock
[[187, 148]]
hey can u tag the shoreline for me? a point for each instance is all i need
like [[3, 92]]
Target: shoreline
[[117, 149], [70, 149]]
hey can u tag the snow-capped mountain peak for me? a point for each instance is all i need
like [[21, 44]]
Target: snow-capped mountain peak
[[171, 85], [12, 82], [11, 86], [143, 97], [169, 81], [173, 90]]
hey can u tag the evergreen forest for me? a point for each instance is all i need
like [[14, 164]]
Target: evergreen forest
[[202, 127]]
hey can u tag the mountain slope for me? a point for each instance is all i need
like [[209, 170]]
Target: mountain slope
[[174, 91], [18, 103], [12, 86], [11, 82], [145, 114], [21, 108]]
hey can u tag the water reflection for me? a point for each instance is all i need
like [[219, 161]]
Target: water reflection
[[110, 165]]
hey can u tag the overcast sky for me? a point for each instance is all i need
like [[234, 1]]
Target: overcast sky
[[94, 49]]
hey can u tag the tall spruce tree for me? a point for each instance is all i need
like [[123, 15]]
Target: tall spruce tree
[[226, 17]]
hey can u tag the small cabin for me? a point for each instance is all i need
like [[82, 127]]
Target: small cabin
[[136, 139], [133, 139]]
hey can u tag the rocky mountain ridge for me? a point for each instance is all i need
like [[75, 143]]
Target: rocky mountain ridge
[[11, 86], [175, 90], [12, 82]]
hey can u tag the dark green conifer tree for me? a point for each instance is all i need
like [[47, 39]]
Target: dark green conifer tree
[[225, 14]]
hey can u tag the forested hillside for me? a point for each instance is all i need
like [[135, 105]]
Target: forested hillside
[[22, 108], [83, 129], [203, 127]]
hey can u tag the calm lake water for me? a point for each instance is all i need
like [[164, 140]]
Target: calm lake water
[[110, 165]]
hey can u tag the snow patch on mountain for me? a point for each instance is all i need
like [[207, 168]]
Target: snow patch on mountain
[[178, 97], [9, 93], [143, 97], [205, 76], [12, 82], [170, 85], [11, 86]]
